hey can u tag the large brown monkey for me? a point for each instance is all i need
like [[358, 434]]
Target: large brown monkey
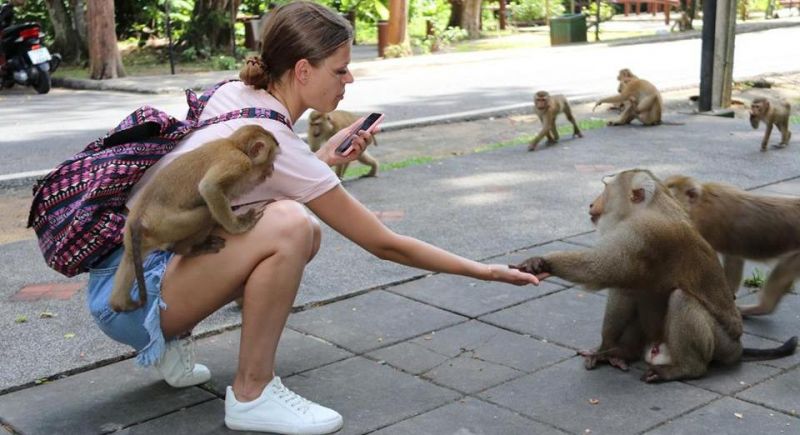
[[641, 101], [742, 225], [321, 126], [183, 202], [771, 113], [547, 108], [667, 297]]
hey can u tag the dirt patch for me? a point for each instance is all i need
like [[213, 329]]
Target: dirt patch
[[14, 205]]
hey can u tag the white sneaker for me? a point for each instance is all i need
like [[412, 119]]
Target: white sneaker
[[177, 364], [280, 410]]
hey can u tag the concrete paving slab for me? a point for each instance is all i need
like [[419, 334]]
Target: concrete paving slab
[[469, 417], [728, 380], [730, 416], [470, 297], [469, 374], [781, 393], [205, 418], [297, 353], [369, 395], [596, 401], [783, 323], [101, 400], [790, 188], [482, 341], [409, 357], [372, 320], [571, 318]]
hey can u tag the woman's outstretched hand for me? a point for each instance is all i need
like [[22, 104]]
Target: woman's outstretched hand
[[327, 153], [504, 273]]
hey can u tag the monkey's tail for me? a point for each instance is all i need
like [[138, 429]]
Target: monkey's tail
[[785, 349], [136, 247]]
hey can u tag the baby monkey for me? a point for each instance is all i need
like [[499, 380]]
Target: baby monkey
[[771, 112], [185, 200], [547, 108]]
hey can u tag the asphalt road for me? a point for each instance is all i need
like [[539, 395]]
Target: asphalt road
[[39, 131]]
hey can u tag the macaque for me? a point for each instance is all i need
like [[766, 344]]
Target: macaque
[[668, 300], [187, 199], [771, 112], [683, 23], [321, 126], [742, 225], [641, 100], [623, 77], [547, 108]]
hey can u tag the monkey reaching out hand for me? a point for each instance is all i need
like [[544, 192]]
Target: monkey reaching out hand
[[771, 113], [547, 108], [640, 99], [184, 201], [668, 300]]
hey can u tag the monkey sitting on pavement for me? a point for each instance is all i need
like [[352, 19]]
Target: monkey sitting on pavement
[[184, 202], [547, 108], [743, 225], [668, 300], [321, 126], [623, 76], [641, 100], [771, 112]]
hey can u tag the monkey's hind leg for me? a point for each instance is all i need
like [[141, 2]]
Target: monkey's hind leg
[[370, 161], [689, 339], [778, 283], [622, 335], [785, 133], [568, 113], [628, 115]]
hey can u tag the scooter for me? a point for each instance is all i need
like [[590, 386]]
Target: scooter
[[24, 60]]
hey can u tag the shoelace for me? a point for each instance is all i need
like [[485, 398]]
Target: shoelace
[[188, 353], [293, 399]]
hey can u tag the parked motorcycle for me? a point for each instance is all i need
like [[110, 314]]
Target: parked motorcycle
[[24, 59]]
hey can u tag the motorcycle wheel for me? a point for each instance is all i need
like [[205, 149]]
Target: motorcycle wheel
[[42, 85]]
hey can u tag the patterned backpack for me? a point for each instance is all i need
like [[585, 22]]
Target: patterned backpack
[[78, 209]]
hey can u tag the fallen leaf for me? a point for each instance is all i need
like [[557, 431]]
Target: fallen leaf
[[47, 315], [69, 335], [738, 415], [21, 319], [594, 401]]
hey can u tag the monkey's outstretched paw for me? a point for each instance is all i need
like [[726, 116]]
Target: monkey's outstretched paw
[[533, 265]]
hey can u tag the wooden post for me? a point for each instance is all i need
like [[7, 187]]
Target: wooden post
[[724, 37], [502, 14], [707, 56], [396, 32]]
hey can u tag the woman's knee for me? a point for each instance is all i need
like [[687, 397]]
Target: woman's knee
[[288, 222]]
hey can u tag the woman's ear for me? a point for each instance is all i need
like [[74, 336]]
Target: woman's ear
[[302, 71]]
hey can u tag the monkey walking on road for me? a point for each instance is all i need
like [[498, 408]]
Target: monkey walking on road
[[743, 225], [771, 112], [547, 108], [187, 199], [668, 299]]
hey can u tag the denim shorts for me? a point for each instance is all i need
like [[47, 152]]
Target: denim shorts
[[140, 328]]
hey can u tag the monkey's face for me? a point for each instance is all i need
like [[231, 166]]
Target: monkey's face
[[542, 102], [758, 111], [684, 189], [315, 123]]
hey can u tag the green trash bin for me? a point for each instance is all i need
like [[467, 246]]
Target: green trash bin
[[567, 28]]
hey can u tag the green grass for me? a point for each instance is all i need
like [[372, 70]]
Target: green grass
[[563, 129], [756, 280], [794, 119]]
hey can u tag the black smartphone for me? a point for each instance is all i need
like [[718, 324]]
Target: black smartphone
[[369, 124]]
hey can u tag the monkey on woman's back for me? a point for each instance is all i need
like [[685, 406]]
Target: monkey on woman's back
[[181, 205]]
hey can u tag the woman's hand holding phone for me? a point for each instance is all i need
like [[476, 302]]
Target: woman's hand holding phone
[[348, 144]]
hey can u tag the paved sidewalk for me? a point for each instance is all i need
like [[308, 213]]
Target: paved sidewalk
[[400, 351]]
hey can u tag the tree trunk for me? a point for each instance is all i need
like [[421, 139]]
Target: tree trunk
[[66, 40], [105, 61], [79, 19], [456, 13], [211, 30], [471, 18]]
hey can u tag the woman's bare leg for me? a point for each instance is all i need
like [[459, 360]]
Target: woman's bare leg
[[265, 265]]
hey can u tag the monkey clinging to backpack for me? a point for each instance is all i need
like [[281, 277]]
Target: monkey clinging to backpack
[[183, 203]]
